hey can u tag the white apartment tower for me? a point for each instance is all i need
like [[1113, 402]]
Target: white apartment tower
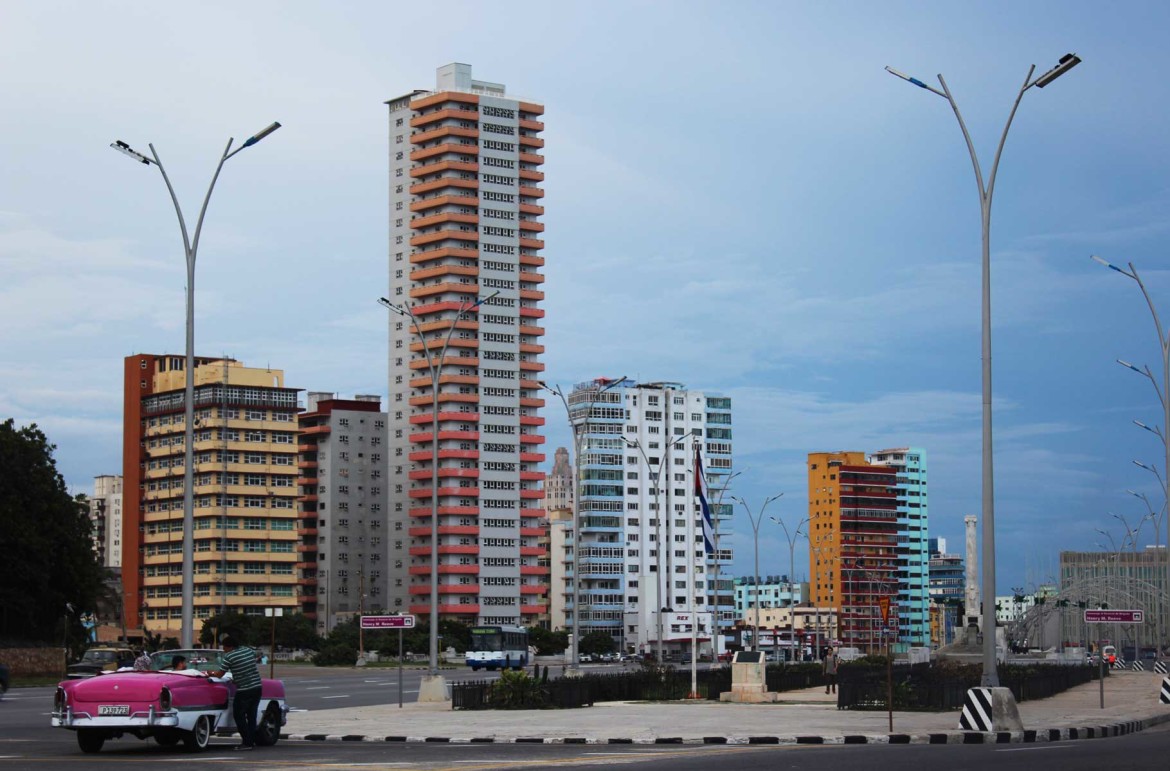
[[105, 512], [638, 445], [464, 229]]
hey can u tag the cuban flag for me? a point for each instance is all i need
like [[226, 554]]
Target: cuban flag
[[708, 523]]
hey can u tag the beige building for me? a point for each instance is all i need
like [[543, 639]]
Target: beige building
[[245, 535], [105, 513]]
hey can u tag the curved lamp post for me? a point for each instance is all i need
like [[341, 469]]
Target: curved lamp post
[[1163, 394], [755, 521], [435, 369], [1067, 62], [190, 251], [578, 484], [791, 538]]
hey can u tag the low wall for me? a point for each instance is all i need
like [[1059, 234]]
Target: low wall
[[34, 662]]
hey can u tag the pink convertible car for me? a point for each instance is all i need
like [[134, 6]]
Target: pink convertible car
[[187, 706]]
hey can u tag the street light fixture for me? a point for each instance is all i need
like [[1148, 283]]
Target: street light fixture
[[436, 681], [990, 674], [791, 538], [755, 522], [190, 250], [578, 486]]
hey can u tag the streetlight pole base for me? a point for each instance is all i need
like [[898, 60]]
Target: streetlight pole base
[[990, 709], [572, 670], [433, 688]]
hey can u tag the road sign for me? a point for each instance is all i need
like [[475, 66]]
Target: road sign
[[1115, 616], [884, 606], [388, 622]]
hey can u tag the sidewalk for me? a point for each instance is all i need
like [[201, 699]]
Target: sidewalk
[[808, 716]]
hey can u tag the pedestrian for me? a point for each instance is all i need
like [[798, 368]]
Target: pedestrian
[[240, 660], [829, 667], [142, 661]]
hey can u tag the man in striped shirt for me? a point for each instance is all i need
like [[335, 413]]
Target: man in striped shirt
[[240, 660]]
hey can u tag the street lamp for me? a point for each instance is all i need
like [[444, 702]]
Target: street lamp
[[190, 250], [1067, 62], [663, 544], [578, 485], [718, 509], [755, 521], [436, 682], [792, 538]]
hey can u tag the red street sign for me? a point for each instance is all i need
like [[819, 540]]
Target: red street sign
[[1115, 616], [387, 622]]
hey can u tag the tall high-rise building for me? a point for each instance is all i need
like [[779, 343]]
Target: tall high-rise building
[[640, 524], [464, 227], [343, 509], [913, 549], [105, 512], [853, 544], [245, 535], [947, 587], [558, 485]]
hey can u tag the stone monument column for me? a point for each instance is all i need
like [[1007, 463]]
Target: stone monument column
[[971, 596]]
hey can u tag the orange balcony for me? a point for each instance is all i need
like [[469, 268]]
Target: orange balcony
[[425, 589], [531, 226], [531, 260], [535, 331], [531, 348], [445, 492], [307, 464], [533, 551], [437, 344], [447, 610], [533, 610], [532, 457], [531, 125], [531, 175], [425, 382], [531, 278], [449, 473], [531, 420], [315, 430], [422, 137], [472, 436], [425, 401], [525, 190], [441, 166], [450, 360], [452, 113], [532, 513], [532, 108], [306, 498], [447, 216], [530, 402], [441, 235], [422, 455], [531, 366], [534, 589], [531, 243], [534, 532], [532, 313], [531, 158], [443, 200], [530, 141], [533, 570], [445, 251], [425, 532], [443, 182], [532, 494], [425, 570], [532, 476], [442, 97], [531, 208], [445, 417], [307, 480], [425, 551], [454, 511], [447, 147]]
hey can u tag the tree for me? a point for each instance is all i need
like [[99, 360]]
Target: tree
[[292, 631], [49, 572], [594, 643], [548, 643]]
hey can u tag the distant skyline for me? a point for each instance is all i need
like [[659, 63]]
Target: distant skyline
[[744, 175]]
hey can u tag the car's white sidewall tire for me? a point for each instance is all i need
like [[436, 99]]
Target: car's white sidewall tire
[[90, 740], [197, 739], [268, 727]]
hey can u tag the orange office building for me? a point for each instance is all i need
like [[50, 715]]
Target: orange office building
[[465, 208], [853, 536], [245, 535]]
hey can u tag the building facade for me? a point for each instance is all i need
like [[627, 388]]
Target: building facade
[[105, 513], [641, 544], [245, 536], [1127, 579], [913, 555], [766, 593], [343, 509], [558, 485], [947, 588], [853, 537], [465, 208]]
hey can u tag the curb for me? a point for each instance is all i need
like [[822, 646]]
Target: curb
[[1071, 733]]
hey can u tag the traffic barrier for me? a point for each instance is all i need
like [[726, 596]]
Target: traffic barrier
[[1160, 667], [1165, 697], [1138, 667], [977, 714]]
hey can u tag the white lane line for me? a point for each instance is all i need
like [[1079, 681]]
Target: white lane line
[[343, 696], [1052, 746], [319, 688]]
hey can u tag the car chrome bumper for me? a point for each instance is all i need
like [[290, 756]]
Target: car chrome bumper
[[149, 719]]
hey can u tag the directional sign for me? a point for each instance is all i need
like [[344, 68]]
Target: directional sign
[[1115, 616], [388, 622]]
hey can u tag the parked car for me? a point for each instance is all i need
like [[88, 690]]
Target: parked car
[[104, 658], [166, 705]]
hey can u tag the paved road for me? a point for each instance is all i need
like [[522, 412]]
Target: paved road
[[1144, 751]]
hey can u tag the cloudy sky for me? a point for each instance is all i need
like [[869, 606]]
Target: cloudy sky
[[740, 198]]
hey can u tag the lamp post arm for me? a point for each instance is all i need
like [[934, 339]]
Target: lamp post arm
[[1003, 137], [967, 138], [175, 200], [207, 198]]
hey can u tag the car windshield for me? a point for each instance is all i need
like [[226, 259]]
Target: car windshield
[[99, 657], [203, 660]]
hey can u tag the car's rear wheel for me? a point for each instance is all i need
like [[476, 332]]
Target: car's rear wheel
[[268, 729], [90, 741], [168, 738], [199, 736]]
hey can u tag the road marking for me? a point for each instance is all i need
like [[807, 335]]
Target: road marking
[[1046, 747], [319, 688], [342, 696]]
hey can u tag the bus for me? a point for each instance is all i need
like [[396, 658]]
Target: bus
[[498, 647]]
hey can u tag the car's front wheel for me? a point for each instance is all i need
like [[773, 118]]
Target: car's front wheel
[[268, 729], [90, 741], [197, 739]]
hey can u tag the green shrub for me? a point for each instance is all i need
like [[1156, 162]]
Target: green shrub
[[336, 655], [516, 690]]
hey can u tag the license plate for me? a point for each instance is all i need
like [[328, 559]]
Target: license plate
[[114, 709]]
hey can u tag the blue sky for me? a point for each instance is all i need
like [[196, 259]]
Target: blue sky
[[739, 198]]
